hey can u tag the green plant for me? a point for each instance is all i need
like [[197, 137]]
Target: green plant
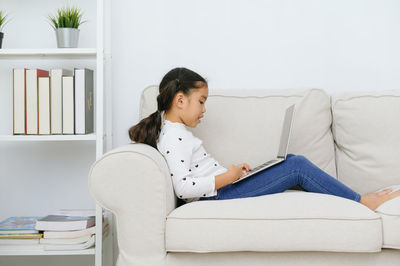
[[3, 19], [67, 17]]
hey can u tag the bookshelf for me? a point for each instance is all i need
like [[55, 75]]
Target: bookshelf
[[76, 151]]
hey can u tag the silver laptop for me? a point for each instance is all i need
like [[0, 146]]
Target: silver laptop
[[283, 146]]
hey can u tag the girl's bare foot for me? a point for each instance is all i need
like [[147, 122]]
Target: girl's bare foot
[[374, 200]]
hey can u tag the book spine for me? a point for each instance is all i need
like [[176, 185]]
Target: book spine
[[31, 102], [18, 101], [89, 108], [56, 101], [79, 101], [44, 105], [68, 105]]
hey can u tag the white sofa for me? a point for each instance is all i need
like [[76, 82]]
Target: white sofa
[[355, 137]]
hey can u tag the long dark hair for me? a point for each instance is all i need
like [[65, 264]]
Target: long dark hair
[[176, 80]]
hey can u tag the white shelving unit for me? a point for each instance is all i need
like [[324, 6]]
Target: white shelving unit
[[101, 139]]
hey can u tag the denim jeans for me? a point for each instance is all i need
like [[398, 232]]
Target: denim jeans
[[295, 170]]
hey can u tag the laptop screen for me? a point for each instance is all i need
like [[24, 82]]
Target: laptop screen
[[286, 129]]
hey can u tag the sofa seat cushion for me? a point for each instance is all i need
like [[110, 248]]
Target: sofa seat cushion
[[390, 213], [288, 221]]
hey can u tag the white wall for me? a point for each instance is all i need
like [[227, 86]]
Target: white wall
[[337, 45]]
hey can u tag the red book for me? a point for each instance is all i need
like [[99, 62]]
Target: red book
[[32, 100]]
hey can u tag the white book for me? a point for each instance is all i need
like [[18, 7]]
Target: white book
[[65, 241], [32, 108], [12, 241], [19, 101], [85, 245], [75, 212], [68, 105], [56, 98], [31, 102], [44, 105], [83, 101], [70, 234], [64, 223]]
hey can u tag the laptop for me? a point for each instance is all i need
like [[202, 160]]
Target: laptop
[[283, 146]]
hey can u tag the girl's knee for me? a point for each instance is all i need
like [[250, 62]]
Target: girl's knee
[[297, 158]]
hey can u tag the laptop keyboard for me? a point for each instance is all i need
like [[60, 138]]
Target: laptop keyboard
[[264, 164]]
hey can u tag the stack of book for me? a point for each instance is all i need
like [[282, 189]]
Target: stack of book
[[62, 230], [58, 101], [17, 231], [68, 230]]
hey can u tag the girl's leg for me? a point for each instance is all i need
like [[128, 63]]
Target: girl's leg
[[296, 170]]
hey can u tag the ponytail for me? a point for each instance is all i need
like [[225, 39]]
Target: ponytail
[[147, 130]]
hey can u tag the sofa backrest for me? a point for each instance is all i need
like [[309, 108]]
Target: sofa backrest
[[244, 126], [366, 128]]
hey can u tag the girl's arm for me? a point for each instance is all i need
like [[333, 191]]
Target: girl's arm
[[223, 180], [234, 173]]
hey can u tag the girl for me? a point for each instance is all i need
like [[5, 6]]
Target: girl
[[198, 176]]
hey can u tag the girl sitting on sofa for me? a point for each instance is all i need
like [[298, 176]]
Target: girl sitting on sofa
[[196, 175]]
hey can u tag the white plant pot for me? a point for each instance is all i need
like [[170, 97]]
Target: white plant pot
[[67, 37]]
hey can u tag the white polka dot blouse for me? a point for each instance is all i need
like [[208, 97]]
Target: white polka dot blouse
[[192, 169]]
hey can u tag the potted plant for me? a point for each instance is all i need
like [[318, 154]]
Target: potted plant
[[3, 21], [66, 23]]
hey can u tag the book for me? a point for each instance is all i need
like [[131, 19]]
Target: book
[[56, 98], [10, 241], [75, 212], [6, 232], [88, 244], [65, 241], [20, 224], [32, 100], [62, 222], [83, 101], [19, 101], [44, 105], [70, 234], [20, 235], [68, 109]]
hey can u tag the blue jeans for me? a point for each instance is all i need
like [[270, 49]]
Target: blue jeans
[[295, 170]]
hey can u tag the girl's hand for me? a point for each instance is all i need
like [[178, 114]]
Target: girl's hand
[[245, 168], [237, 171]]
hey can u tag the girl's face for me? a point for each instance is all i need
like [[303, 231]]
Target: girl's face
[[194, 108]]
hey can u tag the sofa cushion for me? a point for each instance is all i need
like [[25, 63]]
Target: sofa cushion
[[289, 221], [366, 128], [244, 126], [390, 213]]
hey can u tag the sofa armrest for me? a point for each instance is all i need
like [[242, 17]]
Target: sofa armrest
[[133, 182]]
